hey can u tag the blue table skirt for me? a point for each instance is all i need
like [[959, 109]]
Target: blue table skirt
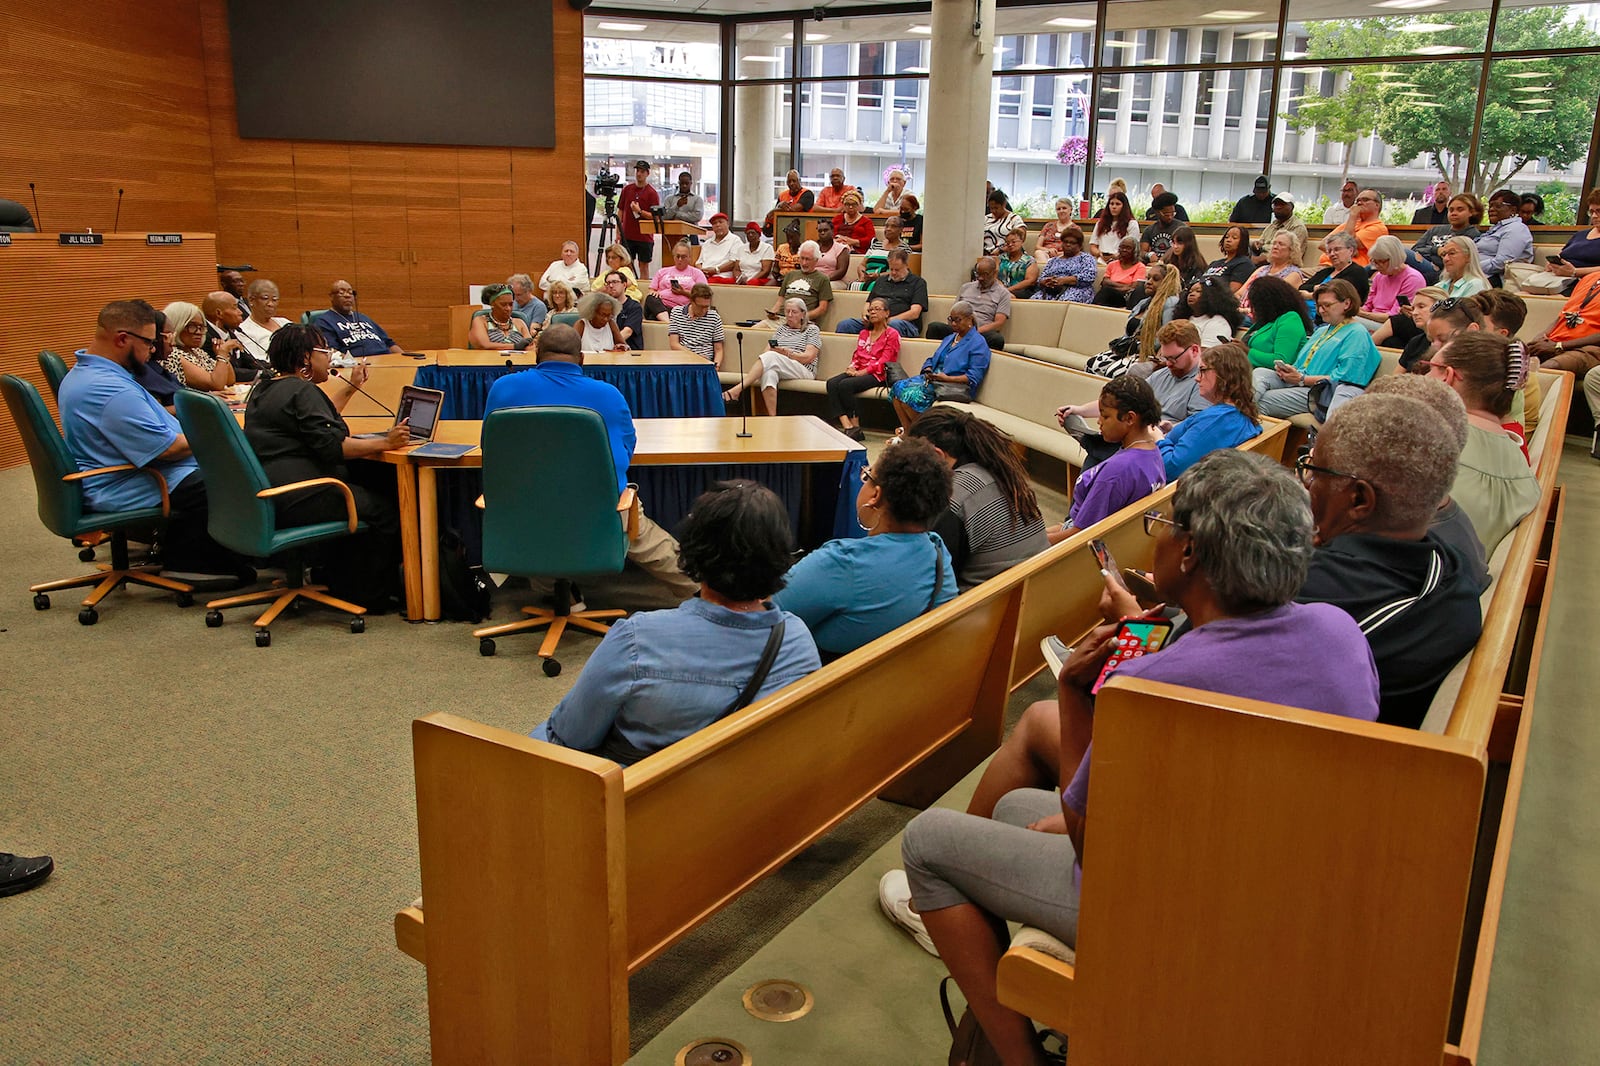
[[651, 391], [667, 492]]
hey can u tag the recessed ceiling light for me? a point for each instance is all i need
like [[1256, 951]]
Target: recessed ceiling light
[[1071, 23], [1400, 84], [813, 38], [1122, 44], [1542, 101], [1531, 88], [1539, 111], [1440, 49], [1257, 35], [1531, 74], [1409, 5], [920, 29], [622, 27], [759, 59], [1426, 103], [1230, 15], [1424, 27]]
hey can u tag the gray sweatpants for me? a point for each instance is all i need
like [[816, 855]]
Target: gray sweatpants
[[999, 864]]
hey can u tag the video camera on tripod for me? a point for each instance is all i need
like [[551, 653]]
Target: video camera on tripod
[[606, 184]]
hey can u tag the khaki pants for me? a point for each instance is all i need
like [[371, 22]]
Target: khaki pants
[[1577, 361], [1591, 392], [655, 551]]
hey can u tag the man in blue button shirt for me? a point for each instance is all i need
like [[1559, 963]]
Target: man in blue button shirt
[[109, 420], [558, 381], [350, 331]]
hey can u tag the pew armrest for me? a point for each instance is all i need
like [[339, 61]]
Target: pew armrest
[[1035, 984], [408, 935]]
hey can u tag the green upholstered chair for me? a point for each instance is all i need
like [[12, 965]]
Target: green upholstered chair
[[54, 368], [550, 507], [61, 505], [564, 318], [241, 514]]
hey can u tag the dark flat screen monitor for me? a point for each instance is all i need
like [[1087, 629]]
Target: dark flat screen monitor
[[394, 71]]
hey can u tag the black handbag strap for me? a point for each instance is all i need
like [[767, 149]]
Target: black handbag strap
[[769, 655], [938, 575]]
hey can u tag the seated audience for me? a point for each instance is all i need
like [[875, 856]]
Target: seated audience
[[1578, 258], [629, 316], [1281, 323], [889, 202], [1504, 313], [669, 287], [1123, 275], [1001, 220], [787, 251], [1255, 207], [993, 521], [223, 316], [792, 353], [1461, 220], [1235, 263], [1114, 224], [109, 420], [875, 261], [232, 283], [1462, 273], [496, 327], [1049, 242], [298, 433], [563, 300], [990, 302], [807, 283], [877, 345], [1222, 379], [1176, 379], [348, 330], [831, 198], [911, 219], [1447, 320], [1408, 330], [1284, 220], [1156, 239], [697, 327], [1364, 224], [1069, 276], [1162, 285], [188, 361], [852, 228], [1337, 214], [1211, 308], [1531, 207], [617, 258], [851, 591], [904, 293], [660, 676], [967, 874], [1339, 357], [151, 375], [1507, 240], [1157, 191], [792, 197], [744, 260], [569, 268], [1185, 255], [525, 302], [1015, 268], [1572, 342], [1392, 284], [598, 328], [1283, 263], [833, 255], [1493, 482], [1340, 248], [953, 372], [755, 258], [1128, 420], [1437, 212], [256, 331]]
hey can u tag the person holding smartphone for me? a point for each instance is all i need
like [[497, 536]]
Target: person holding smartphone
[[792, 353], [1233, 555]]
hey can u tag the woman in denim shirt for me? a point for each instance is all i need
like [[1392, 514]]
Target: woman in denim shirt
[[661, 675]]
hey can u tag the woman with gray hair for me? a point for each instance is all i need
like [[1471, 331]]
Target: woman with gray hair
[[1342, 266], [1391, 284], [597, 323], [1462, 271], [791, 354], [187, 359], [1232, 555]]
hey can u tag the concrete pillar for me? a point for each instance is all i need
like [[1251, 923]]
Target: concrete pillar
[[753, 165], [958, 138]]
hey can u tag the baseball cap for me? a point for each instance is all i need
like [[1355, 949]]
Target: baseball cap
[[641, 165], [716, 216], [1263, 183], [1286, 197], [748, 226]]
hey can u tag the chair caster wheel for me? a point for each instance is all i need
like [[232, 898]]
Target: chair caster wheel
[[86, 555], [263, 638], [185, 599], [358, 625], [88, 616], [213, 619], [486, 646], [552, 668], [41, 602]]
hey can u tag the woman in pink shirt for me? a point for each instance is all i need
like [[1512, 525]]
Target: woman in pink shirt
[[1123, 275], [876, 347], [670, 286], [1391, 280]]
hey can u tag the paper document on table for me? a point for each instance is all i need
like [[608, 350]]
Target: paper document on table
[[441, 450]]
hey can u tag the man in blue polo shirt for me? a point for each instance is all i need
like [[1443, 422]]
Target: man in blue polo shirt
[[350, 331], [558, 381], [109, 420]]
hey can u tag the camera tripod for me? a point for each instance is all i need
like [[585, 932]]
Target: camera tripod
[[608, 235]]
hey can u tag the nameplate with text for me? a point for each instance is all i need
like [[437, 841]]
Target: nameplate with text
[[163, 238], [83, 238], [5, 238]]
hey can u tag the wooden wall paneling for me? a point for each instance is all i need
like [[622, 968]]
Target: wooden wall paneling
[[322, 181], [50, 296], [486, 218], [433, 222], [101, 100], [380, 271]]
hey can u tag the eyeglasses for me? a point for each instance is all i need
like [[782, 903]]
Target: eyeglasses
[[150, 342], [866, 471], [1308, 471], [1366, 199], [1431, 364], [1155, 518], [324, 351], [1203, 369]]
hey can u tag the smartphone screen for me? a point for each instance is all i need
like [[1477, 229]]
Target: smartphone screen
[[1135, 638], [1108, 562]]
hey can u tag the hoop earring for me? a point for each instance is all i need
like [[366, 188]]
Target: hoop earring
[[866, 528]]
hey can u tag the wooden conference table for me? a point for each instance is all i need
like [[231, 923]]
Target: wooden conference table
[[799, 441], [670, 384]]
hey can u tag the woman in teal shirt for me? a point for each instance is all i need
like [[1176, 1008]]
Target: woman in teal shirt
[[1282, 324], [1338, 353]]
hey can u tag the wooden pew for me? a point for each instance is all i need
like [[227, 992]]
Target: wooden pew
[[1280, 880], [549, 875]]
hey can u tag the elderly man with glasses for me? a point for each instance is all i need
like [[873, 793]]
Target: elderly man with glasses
[[1507, 240], [1363, 224], [990, 302]]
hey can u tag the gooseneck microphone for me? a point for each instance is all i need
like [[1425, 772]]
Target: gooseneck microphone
[[37, 225], [744, 415], [117, 218], [334, 372]]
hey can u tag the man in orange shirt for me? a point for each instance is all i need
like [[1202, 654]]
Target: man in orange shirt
[[1573, 340], [831, 198], [794, 197], [1363, 224]]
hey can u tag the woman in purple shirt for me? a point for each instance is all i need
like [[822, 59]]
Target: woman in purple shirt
[[1233, 555], [1129, 414]]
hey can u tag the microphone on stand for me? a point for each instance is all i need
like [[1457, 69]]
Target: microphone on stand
[[37, 225], [744, 415], [118, 217], [334, 372]]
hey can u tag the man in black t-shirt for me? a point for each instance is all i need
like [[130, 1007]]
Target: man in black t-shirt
[[904, 293], [1256, 207]]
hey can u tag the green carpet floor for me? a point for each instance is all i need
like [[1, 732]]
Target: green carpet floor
[[234, 828]]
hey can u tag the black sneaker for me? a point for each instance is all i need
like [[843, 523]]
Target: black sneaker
[[19, 873]]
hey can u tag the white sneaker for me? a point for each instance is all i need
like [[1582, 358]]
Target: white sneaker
[[894, 896], [1056, 653]]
